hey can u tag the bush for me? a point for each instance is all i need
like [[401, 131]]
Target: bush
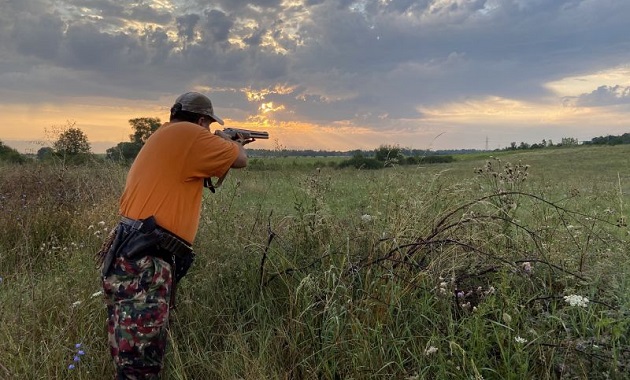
[[361, 162]]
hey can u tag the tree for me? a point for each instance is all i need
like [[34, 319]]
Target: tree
[[569, 141], [143, 127], [11, 155], [124, 151], [72, 142], [388, 154], [45, 152]]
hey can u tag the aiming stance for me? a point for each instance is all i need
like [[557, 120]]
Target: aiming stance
[[150, 249]]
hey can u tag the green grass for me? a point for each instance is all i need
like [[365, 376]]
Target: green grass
[[307, 272]]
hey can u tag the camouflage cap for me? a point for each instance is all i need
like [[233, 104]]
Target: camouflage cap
[[197, 103]]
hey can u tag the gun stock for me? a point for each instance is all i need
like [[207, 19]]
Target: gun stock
[[246, 133]]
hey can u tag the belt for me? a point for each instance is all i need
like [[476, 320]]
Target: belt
[[167, 240]]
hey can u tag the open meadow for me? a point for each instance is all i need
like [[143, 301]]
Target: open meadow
[[512, 266]]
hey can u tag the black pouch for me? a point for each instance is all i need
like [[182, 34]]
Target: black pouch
[[138, 243], [130, 243], [183, 264], [118, 241]]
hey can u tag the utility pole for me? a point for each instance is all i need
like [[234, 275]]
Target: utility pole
[[486, 143]]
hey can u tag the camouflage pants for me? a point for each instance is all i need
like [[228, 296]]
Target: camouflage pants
[[137, 295]]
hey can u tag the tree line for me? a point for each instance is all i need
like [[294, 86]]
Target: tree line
[[572, 141], [72, 146]]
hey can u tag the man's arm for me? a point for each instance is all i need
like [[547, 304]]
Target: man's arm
[[241, 159]]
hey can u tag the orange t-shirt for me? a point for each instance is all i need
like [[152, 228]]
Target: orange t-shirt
[[166, 178]]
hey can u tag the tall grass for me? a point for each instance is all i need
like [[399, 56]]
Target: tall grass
[[464, 270]]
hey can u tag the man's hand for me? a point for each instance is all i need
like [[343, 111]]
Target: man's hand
[[239, 137]]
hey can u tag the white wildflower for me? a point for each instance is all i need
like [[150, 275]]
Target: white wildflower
[[366, 218], [520, 340], [96, 294], [75, 304], [576, 300], [430, 350], [101, 223]]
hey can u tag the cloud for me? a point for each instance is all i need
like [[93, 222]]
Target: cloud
[[605, 96]]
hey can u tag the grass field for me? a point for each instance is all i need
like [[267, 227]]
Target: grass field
[[512, 266]]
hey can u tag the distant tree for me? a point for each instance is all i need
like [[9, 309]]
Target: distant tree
[[143, 127], [72, 141], [45, 153], [10, 155], [569, 141], [388, 154], [124, 151], [359, 161]]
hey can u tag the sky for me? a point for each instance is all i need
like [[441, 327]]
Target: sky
[[320, 74]]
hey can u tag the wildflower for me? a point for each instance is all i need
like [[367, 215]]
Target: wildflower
[[460, 294], [442, 289], [75, 304], [77, 356], [527, 267], [520, 340], [96, 294], [430, 350], [366, 218], [576, 300], [101, 223]]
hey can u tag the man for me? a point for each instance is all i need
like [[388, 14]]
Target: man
[[151, 247]]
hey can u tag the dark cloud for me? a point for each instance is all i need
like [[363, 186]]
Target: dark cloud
[[88, 48], [146, 13], [216, 26], [236, 5], [605, 96], [39, 36], [186, 26], [255, 38]]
